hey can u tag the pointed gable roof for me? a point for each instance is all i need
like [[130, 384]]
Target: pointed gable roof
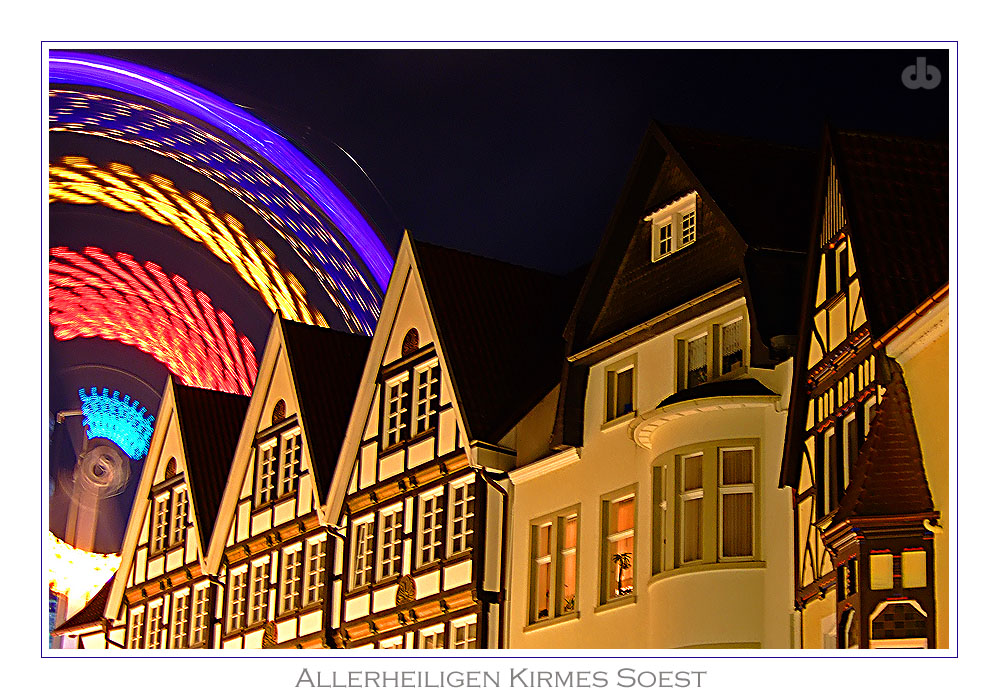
[[326, 368], [90, 614], [895, 192], [499, 327], [210, 423], [889, 478]]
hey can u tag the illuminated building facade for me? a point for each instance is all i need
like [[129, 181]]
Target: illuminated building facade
[[866, 457]]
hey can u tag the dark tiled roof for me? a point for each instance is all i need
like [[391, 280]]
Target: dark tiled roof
[[326, 369], [895, 191], [91, 614], [764, 189], [731, 387], [500, 327], [889, 478], [210, 423]]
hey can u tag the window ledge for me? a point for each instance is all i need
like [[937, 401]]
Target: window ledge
[[619, 602], [617, 422], [549, 622], [708, 566]]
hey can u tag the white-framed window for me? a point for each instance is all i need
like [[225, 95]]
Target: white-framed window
[[155, 625], [713, 350], [291, 457], [691, 502], [237, 598], [391, 643], [179, 515], [266, 470], [291, 568], [390, 542], [553, 563], [259, 575], [431, 637], [463, 633], [732, 354], [179, 624], [426, 393], [737, 529], [363, 551], [619, 389], [673, 227], [618, 546], [460, 524], [696, 360], [395, 409], [161, 522], [137, 628], [199, 620], [315, 569], [430, 526]]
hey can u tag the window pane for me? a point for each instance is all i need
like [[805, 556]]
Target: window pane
[[542, 598], [569, 533], [624, 514], [624, 404], [622, 566], [737, 467], [697, 361], [692, 472], [544, 536], [914, 567], [732, 346], [687, 227], [569, 581], [881, 571], [692, 529], [737, 525]]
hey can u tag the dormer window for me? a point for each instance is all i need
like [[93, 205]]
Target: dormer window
[[278, 464], [674, 226]]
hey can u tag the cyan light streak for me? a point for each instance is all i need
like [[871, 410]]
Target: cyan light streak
[[120, 420]]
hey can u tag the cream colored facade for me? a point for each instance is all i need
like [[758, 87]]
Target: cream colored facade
[[713, 601]]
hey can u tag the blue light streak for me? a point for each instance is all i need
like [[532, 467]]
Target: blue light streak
[[120, 420]]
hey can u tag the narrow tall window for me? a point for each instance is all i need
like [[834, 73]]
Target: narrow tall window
[[395, 410], [364, 545], [425, 396], [566, 575], [137, 629], [462, 513], [315, 568], [161, 518], [691, 497], [697, 361], [619, 551], [258, 591], [542, 575], [850, 433], [869, 414], [553, 576], [391, 543], [663, 239], [732, 346], [736, 494], [431, 516], [179, 626], [179, 518], [291, 455], [290, 578], [237, 598], [265, 472], [687, 228], [620, 391], [199, 622], [830, 469], [153, 640]]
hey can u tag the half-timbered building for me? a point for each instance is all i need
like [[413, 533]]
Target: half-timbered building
[[270, 549], [867, 466], [654, 521], [420, 493], [163, 595]]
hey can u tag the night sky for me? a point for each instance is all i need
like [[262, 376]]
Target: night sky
[[513, 154]]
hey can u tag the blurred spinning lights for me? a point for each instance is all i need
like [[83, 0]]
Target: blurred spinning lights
[[118, 299], [76, 573], [120, 420]]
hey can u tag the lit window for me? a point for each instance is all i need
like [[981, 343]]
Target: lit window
[[716, 350], [199, 623], [155, 625], [619, 541], [237, 597], [691, 496], [179, 517], [869, 414], [178, 633], [390, 544], [291, 456], [431, 637], [837, 269], [554, 566], [736, 496], [674, 227], [427, 379], [290, 578], [395, 409], [315, 568], [830, 470], [462, 512], [258, 591], [161, 519], [849, 430], [732, 346], [431, 526], [914, 568], [266, 464], [881, 571], [391, 643], [364, 546], [463, 633], [697, 361], [137, 628], [620, 389]]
